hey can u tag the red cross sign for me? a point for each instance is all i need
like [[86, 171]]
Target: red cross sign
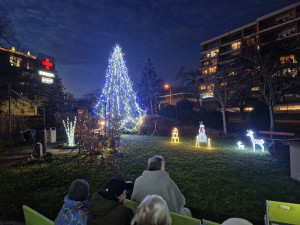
[[47, 64]]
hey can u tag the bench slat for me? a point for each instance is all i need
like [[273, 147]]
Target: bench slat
[[277, 133]]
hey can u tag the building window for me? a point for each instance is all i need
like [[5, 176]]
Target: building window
[[255, 89], [288, 59], [202, 87], [15, 61], [251, 41], [236, 45], [213, 61], [206, 63], [204, 72], [212, 69], [224, 83], [287, 32]]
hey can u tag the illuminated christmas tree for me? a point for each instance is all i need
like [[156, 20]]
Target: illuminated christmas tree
[[118, 100]]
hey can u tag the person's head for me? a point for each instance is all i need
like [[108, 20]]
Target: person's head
[[117, 187], [153, 210], [236, 221], [79, 190], [156, 162]]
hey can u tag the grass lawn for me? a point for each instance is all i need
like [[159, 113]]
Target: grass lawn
[[217, 183]]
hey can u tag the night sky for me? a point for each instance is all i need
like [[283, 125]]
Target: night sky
[[80, 34]]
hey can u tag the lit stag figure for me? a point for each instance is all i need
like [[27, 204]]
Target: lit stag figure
[[259, 142]]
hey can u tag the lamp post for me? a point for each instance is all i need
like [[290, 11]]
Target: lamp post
[[167, 86]]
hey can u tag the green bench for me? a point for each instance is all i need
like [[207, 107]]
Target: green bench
[[32, 217], [282, 213], [177, 219]]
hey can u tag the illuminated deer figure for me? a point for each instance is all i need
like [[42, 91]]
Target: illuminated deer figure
[[259, 142], [241, 146]]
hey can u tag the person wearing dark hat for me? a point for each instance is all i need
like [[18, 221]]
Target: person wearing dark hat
[[75, 208], [107, 206]]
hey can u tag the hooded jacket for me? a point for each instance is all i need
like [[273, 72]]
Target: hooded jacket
[[72, 213], [104, 211], [159, 182]]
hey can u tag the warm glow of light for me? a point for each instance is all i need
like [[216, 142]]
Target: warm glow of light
[[166, 86], [28, 53], [13, 49], [208, 143], [255, 89], [175, 138], [236, 45]]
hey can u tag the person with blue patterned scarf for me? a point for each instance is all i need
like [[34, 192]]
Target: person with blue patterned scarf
[[75, 208]]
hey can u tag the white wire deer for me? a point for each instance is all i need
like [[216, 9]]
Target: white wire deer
[[240, 144], [259, 142]]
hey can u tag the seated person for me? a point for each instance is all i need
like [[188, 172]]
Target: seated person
[[75, 208], [236, 221], [155, 180], [152, 211], [107, 207]]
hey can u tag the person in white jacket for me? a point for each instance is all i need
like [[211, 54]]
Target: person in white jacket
[[155, 180]]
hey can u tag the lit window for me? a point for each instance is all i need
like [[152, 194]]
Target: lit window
[[288, 59], [289, 71], [251, 41], [232, 73], [212, 69], [202, 87], [15, 61], [204, 72], [236, 45], [255, 89], [224, 84], [206, 63]]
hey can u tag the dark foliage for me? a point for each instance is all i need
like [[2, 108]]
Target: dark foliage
[[184, 110], [259, 118]]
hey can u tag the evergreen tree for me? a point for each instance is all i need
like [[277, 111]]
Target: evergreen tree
[[118, 100], [150, 85]]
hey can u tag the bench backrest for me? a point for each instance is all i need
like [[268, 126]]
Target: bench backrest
[[282, 212], [177, 219], [277, 133], [32, 217]]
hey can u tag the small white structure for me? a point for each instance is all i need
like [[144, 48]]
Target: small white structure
[[259, 142], [175, 138], [208, 143], [241, 146], [201, 137]]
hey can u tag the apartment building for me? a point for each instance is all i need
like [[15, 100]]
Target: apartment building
[[283, 24]]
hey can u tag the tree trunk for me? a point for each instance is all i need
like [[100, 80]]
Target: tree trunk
[[242, 110], [271, 119], [224, 120], [151, 105]]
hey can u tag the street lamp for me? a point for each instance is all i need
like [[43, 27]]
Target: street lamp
[[167, 86]]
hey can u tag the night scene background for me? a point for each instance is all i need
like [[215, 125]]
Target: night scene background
[[80, 34]]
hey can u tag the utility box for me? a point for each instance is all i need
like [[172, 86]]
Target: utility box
[[41, 136], [51, 134]]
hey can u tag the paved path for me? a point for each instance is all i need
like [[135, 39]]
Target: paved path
[[19, 155]]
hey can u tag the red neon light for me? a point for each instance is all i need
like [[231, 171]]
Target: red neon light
[[47, 64]]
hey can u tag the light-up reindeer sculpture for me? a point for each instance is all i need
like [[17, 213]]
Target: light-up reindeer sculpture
[[254, 141]]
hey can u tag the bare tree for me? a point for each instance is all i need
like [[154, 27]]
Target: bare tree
[[273, 71], [227, 83], [190, 79], [7, 34]]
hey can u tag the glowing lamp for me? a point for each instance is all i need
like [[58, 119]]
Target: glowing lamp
[[175, 138], [254, 141], [208, 143]]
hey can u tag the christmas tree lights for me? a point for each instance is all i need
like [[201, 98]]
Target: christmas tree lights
[[70, 130], [118, 100]]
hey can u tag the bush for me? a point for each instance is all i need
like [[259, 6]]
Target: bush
[[168, 111], [184, 110], [279, 150], [211, 119]]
